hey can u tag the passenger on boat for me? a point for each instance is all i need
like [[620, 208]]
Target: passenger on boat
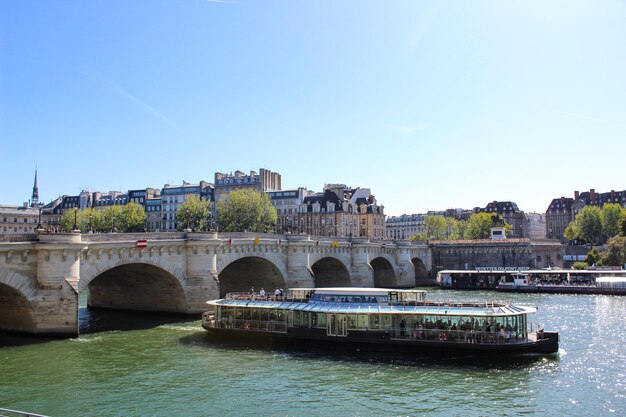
[[262, 292]]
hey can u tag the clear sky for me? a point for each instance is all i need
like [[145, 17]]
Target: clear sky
[[430, 104]]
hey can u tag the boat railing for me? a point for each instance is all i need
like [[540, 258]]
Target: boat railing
[[458, 336], [253, 325], [254, 296]]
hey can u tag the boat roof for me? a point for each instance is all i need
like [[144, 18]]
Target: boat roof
[[361, 290], [535, 271], [441, 309]]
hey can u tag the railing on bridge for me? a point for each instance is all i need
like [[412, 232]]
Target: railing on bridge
[[22, 237]]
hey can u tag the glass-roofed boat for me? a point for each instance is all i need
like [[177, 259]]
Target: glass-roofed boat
[[377, 320]]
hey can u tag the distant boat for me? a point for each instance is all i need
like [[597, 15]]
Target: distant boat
[[377, 320]]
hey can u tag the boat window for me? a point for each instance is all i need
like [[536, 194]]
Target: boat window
[[352, 323], [301, 318], [374, 321], [385, 321], [321, 321], [362, 321]]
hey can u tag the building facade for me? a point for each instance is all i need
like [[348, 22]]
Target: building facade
[[173, 196], [18, 220], [563, 210], [287, 204], [342, 211], [404, 226], [264, 181]]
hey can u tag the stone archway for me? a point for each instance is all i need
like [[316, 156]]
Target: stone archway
[[421, 273], [384, 275], [137, 286], [16, 313], [330, 272], [250, 271]]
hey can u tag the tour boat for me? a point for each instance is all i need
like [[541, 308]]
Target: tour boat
[[377, 320]]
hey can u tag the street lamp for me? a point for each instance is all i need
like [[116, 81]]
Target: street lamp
[[39, 206]]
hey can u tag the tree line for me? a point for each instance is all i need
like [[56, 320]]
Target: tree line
[[242, 210], [604, 227], [478, 226]]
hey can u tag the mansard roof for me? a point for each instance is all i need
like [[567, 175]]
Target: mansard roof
[[561, 203], [502, 207], [600, 199], [323, 198]]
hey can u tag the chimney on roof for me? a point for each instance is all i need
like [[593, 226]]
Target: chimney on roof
[[576, 195], [592, 194]]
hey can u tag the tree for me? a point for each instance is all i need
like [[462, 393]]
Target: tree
[[572, 231], [589, 224], [194, 214], [580, 265], [479, 225], [133, 218], [246, 210], [124, 219], [614, 251], [611, 216], [435, 227], [593, 257], [622, 224], [453, 229]]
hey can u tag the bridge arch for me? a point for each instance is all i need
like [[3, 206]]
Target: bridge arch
[[16, 296], [384, 273], [134, 285], [421, 273], [330, 272], [246, 272]]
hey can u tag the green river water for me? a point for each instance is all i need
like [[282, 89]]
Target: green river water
[[158, 366]]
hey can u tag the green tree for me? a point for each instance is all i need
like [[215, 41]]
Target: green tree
[[581, 265], [589, 223], [133, 218], [80, 217], [123, 219], [593, 257], [479, 225], [194, 214], [614, 251], [462, 229], [622, 224], [419, 236], [246, 210], [435, 227], [572, 231], [453, 229], [611, 216]]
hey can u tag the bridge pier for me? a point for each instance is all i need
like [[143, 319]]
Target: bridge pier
[[362, 271], [201, 278], [58, 266], [299, 272]]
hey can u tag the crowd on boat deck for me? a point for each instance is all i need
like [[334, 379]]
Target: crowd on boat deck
[[472, 330]]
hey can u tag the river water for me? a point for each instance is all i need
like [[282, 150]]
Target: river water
[[158, 366]]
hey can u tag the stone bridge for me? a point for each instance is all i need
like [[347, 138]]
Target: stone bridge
[[41, 281]]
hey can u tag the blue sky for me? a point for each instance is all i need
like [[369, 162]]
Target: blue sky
[[431, 104]]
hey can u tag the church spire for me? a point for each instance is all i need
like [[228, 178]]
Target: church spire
[[34, 200]]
